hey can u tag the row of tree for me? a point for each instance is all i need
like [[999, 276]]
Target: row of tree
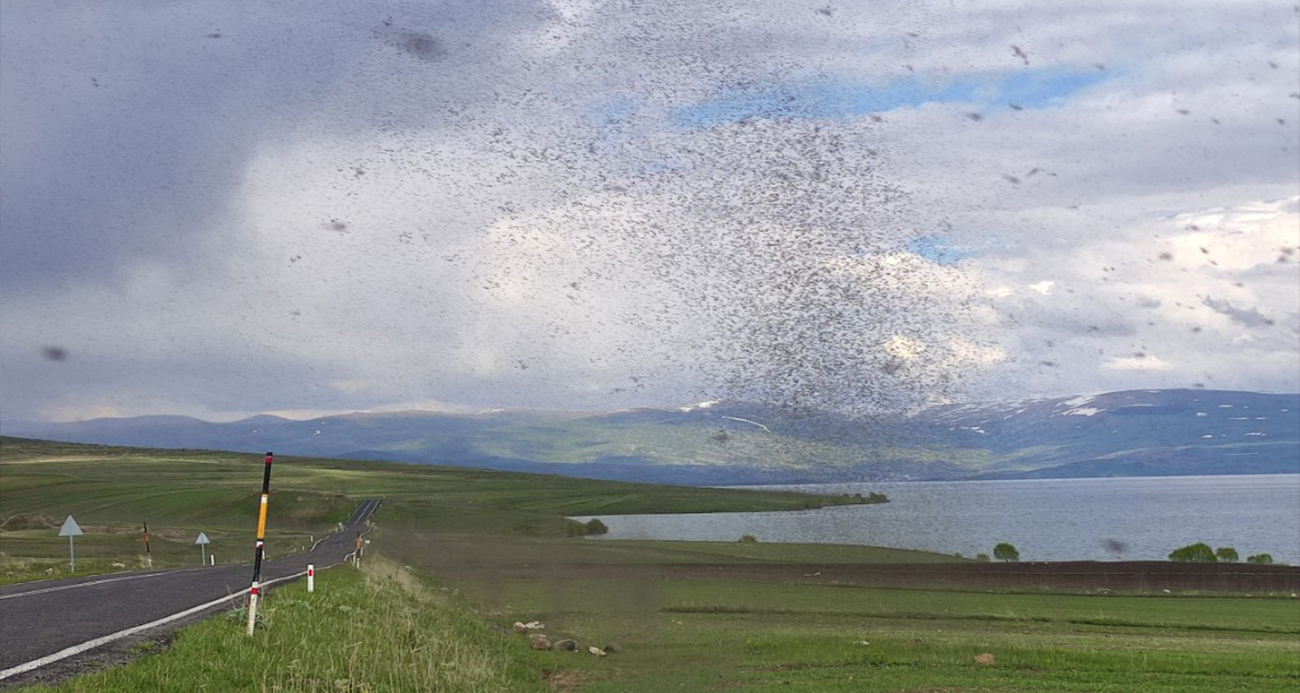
[[1201, 552], [1192, 553]]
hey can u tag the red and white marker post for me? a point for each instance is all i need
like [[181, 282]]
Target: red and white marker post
[[311, 578]]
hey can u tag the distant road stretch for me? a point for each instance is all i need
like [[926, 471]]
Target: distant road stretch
[[48, 621]]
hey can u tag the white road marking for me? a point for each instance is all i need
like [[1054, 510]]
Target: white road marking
[[93, 582], [104, 640], [362, 510]]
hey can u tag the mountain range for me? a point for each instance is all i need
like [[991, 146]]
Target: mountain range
[[1130, 433]]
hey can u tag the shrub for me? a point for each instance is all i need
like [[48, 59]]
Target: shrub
[[595, 526], [748, 539], [1199, 552], [1260, 559], [982, 557], [1006, 552], [1226, 554]]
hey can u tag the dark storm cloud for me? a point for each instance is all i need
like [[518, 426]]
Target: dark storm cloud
[[224, 378], [127, 131]]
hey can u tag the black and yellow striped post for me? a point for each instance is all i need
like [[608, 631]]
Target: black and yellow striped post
[[148, 552], [261, 541]]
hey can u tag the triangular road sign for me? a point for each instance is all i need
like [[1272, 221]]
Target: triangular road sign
[[203, 539], [70, 528]]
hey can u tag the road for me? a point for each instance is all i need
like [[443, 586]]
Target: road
[[42, 619]]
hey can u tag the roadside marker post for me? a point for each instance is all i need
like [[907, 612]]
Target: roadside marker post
[[203, 542], [252, 608], [311, 578], [148, 553], [259, 546], [71, 529]]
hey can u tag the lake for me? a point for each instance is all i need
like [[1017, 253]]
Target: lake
[[1128, 518]]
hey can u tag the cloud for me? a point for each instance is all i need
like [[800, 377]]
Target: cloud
[[1249, 318], [1116, 297], [332, 206], [1136, 363]]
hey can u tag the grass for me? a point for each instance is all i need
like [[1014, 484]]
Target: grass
[[112, 490], [739, 636], [113, 484], [490, 549], [26, 569]]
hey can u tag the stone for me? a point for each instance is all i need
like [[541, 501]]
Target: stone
[[596, 651], [537, 641], [565, 645], [519, 627], [612, 648], [986, 659]]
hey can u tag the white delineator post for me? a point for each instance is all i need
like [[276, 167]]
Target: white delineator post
[[252, 608], [311, 578]]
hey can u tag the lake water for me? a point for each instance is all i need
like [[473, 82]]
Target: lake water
[[1046, 519]]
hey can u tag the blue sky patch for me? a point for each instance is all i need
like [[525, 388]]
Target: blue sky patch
[[833, 97], [616, 110], [939, 251]]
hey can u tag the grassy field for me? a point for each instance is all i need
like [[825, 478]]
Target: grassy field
[[111, 491], [758, 637], [466, 553]]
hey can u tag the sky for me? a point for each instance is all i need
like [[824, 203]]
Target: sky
[[216, 209]]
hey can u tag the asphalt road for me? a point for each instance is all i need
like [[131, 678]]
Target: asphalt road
[[42, 618]]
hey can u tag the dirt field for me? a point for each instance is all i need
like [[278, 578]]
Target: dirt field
[[1074, 576]]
